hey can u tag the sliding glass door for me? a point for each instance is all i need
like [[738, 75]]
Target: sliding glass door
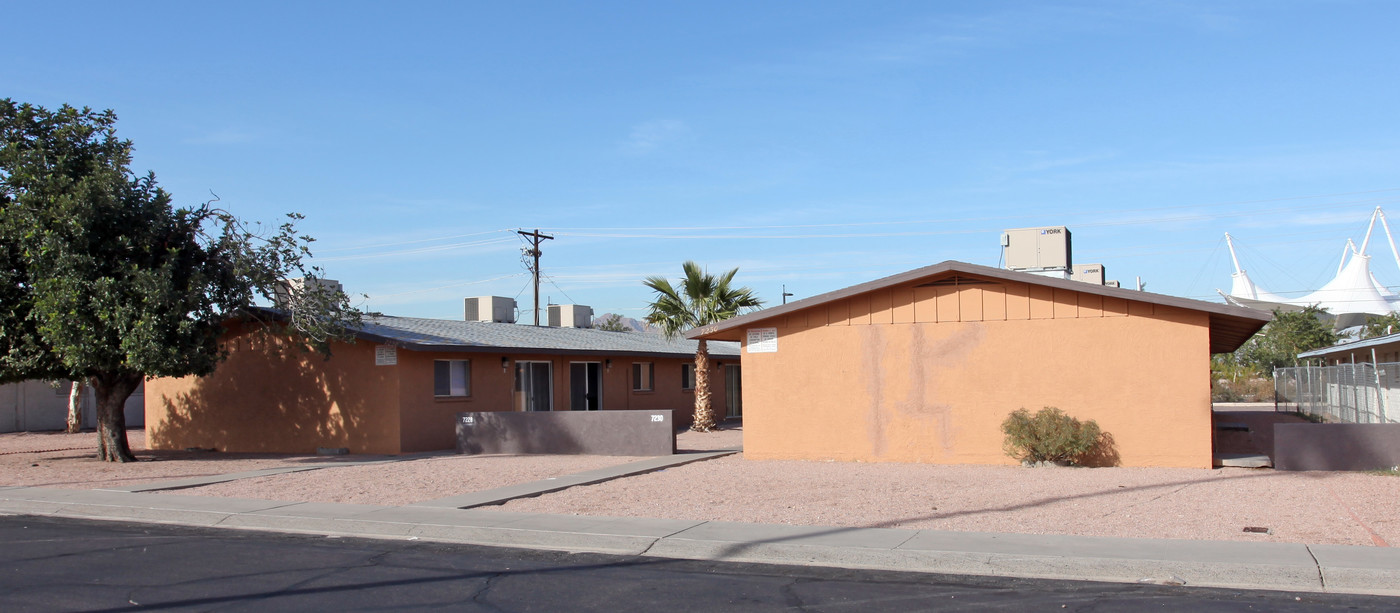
[[533, 386]]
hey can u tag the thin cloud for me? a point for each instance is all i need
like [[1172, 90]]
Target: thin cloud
[[650, 136], [226, 136]]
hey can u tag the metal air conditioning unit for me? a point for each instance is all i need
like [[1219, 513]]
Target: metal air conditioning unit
[[570, 316], [287, 289], [1044, 251], [497, 309], [1088, 273]]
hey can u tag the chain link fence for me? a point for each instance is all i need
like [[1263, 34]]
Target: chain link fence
[[1344, 393]]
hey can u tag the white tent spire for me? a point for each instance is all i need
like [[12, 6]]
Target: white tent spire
[[1351, 296], [1230, 242], [1388, 237], [1349, 249], [1369, 228]]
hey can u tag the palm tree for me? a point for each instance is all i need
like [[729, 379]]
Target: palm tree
[[702, 299]]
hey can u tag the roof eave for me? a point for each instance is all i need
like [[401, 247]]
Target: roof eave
[[452, 348], [1352, 346], [1230, 326]]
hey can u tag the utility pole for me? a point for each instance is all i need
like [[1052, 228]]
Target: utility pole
[[534, 252], [785, 293]]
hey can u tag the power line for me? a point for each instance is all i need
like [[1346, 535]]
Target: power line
[[440, 287], [534, 252], [494, 241], [412, 242], [561, 290]]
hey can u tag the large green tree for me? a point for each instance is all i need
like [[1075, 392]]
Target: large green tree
[[102, 280], [701, 299], [1287, 335], [1381, 325]]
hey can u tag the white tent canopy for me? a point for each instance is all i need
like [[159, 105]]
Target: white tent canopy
[[1350, 297]]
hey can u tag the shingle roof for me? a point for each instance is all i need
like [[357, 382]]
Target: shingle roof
[[1230, 326], [451, 335]]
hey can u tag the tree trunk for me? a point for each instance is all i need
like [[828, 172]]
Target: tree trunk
[[112, 390], [704, 416], [75, 407]]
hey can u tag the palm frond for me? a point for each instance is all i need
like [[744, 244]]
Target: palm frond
[[701, 299]]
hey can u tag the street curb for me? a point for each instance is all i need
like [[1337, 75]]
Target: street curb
[[1223, 564]]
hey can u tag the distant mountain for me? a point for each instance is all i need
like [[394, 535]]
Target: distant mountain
[[632, 325]]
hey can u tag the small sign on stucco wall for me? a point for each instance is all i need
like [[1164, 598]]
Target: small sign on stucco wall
[[386, 355], [763, 340]]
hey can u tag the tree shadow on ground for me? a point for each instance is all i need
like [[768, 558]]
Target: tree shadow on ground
[[739, 548]]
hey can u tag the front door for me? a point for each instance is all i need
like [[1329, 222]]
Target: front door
[[533, 386], [585, 386], [733, 391]]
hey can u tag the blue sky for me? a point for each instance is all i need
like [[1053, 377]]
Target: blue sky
[[812, 144]]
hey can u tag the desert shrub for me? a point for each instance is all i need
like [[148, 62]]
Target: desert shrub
[[1048, 436]]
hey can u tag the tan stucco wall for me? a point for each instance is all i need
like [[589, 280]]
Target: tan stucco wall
[[271, 397], [927, 374]]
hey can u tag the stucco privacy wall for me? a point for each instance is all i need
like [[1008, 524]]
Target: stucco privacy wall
[[269, 396], [927, 373]]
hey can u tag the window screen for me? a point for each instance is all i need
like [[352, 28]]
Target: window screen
[[452, 377], [641, 376]]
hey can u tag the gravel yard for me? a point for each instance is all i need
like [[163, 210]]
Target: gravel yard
[[409, 481], [434, 476], [1312, 507], [69, 461]]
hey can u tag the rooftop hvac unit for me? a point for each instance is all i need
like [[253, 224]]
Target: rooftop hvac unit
[[285, 289], [1037, 249], [1088, 273], [1111, 283], [570, 316], [496, 309]]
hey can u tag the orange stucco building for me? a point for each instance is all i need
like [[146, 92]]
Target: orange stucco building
[[398, 388], [924, 366]]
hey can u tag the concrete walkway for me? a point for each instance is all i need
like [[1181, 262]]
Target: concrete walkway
[[1277, 566], [553, 484]]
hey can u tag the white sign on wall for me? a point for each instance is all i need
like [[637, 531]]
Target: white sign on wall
[[386, 355], [763, 340]]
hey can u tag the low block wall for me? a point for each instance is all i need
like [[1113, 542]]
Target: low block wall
[[637, 433], [1336, 446]]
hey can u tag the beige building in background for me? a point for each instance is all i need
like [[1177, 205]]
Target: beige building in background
[[924, 366]]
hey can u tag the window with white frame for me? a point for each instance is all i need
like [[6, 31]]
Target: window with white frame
[[452, 378], [642, 376], [687, 376]]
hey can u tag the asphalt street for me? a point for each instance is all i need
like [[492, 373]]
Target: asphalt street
[[53, 564]]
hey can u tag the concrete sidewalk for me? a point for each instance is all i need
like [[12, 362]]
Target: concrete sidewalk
[[1276, 566], [553, 484]]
